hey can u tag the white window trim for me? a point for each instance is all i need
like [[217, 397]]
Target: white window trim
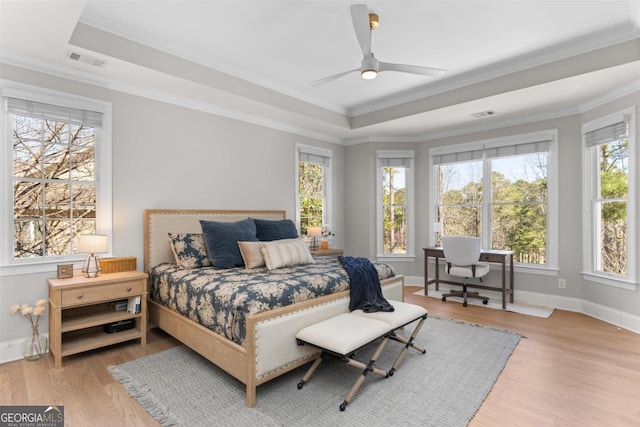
[[328, 186], [409, 182], [630, 281], [551, 267], [8, 265]]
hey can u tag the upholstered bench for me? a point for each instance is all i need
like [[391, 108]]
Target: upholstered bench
[[345, 334], [342, 336], [402, 315]]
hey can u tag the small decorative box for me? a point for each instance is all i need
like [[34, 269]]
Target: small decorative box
[[65, 271]]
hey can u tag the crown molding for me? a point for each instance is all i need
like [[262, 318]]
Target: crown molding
[[599, 40], [610, 96], [82, 76], [103, 23], [89, 78], [504, 123]]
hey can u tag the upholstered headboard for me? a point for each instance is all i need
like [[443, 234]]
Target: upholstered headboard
[[159, 222]]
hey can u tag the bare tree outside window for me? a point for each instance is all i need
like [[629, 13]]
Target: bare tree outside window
[[517, 207], [54, 185]]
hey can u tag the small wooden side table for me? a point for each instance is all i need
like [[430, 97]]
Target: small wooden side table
[[80, 307], [328, 252]]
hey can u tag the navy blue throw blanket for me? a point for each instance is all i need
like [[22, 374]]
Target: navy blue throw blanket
[[366, 293]]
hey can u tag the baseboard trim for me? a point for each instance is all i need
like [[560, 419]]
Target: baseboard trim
[[598, 311], [12, 350]]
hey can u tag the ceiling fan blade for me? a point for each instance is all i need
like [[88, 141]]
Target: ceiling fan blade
[[412, 69], [332, 78], [360, 19]]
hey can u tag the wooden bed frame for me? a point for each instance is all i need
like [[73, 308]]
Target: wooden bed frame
[[270, 347]]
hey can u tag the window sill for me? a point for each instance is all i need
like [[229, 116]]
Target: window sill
[[396, 258], [610, 281], [33, 267], [539, 270]]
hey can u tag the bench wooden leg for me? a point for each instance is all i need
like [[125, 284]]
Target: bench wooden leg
[[366, 369], [408, 343], [310, 372]]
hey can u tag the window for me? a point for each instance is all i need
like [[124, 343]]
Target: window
[[395, 203], [501, 191], [314, 186], [57, 155], [609, 208]]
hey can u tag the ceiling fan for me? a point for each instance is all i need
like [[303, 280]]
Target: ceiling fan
[[363, 23]]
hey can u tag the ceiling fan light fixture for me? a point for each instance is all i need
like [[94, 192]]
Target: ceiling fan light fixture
[[374, 22], [369, 74]]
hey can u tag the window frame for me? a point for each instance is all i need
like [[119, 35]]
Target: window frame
[[590, 167], [327, 184], [410, 204], [103, 152], [551, 135]]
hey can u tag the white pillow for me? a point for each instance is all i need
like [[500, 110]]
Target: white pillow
[[252, 253], [281, 253]]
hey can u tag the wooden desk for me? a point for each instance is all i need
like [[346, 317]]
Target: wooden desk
[[493, 256]]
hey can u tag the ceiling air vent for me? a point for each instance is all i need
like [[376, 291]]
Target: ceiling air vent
[[483, 114], [86, 59]]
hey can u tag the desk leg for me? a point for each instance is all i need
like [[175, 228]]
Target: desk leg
[[426, 275], [437, 267], [511, 278], [504, 284]]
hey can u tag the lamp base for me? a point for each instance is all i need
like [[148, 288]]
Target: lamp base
[[91, 267], [314, 244]]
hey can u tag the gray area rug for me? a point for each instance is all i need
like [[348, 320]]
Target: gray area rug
[[444, 387]]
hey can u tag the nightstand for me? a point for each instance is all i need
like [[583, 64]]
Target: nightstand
[[80, 308], [328, 252]]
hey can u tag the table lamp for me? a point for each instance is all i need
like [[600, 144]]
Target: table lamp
[[92, 244], [314, 233]]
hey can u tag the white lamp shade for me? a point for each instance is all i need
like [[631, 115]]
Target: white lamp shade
[[93, 243], [314, 231]]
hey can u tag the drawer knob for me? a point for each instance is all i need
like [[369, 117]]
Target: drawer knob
[[129, 289], [80, 296]]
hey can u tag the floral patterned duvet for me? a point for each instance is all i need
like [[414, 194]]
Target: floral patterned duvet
[[220, 299]]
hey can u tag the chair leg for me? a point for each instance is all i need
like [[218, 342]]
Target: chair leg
[[465, 295]]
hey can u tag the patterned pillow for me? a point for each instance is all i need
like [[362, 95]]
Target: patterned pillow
[[279, 254], [252, 252], [189, 250]]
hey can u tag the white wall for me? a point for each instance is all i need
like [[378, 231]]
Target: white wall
[[166, 156], [608, 303]]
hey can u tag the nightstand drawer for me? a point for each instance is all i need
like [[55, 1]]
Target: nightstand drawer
[[89, 294]]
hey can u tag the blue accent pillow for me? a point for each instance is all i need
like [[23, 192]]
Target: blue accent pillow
[[221, 239], [268, 230]]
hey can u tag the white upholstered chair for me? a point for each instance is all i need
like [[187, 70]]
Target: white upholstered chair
[[462, 254]]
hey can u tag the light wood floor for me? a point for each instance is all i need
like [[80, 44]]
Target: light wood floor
[[570, 370]]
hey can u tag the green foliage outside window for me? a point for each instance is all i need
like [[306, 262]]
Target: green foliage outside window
[[612, 205], [311, 193], [518, 207], [394, 210]]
